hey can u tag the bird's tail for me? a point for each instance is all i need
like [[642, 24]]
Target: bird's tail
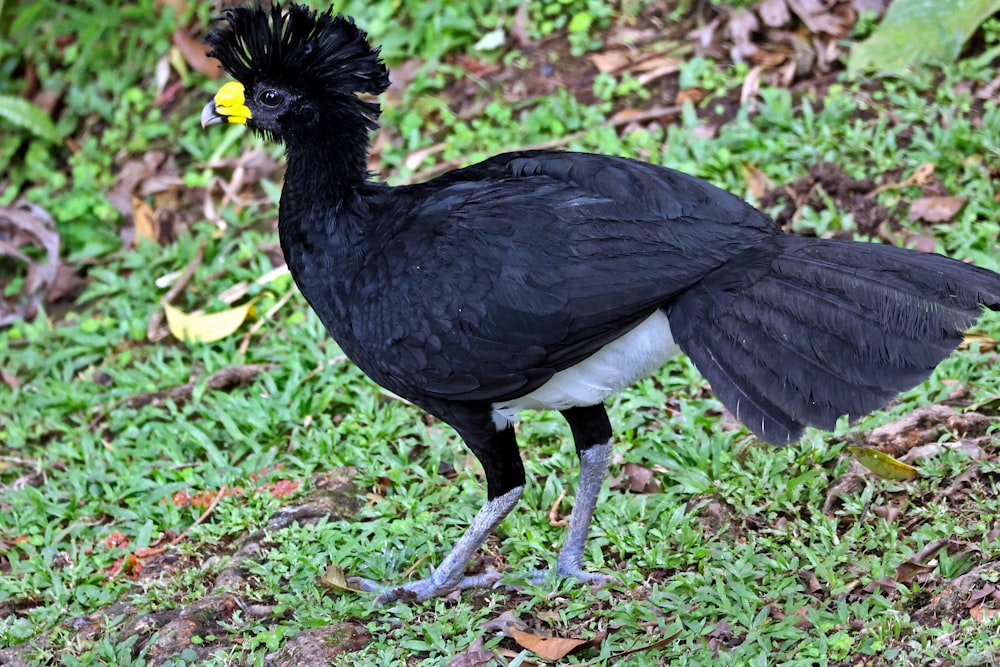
[[800, 331]]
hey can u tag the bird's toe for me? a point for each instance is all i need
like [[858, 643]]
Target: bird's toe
[[424, 589], [546, 575], [365, 585]]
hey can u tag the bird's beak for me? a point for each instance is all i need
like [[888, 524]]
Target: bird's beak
[[229, 106]]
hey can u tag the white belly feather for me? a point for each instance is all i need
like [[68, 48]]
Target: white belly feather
[[609, 370]]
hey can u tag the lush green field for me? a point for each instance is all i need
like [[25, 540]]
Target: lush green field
[[143, 521]]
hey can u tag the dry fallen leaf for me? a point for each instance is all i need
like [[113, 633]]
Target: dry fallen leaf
[[980, 613], [920, 242], [742, 25], [986, 591], [721, 636], [21, 226], [846, 485], [474, 656], [66, 286], [502, 624], [637, 479], [811, 581], [610, 61], [818, 17], [130, 175], [921, 176], [145, 220], [757, 181], [886, 512], [936, 209], [986, 343], [908, 571], [970, 446], [884, 465], [656, 64], [335, 579], [193, 51], [692, 95], [550, 648], [774, 13], [207, 328], [920, 427], [9, 379]]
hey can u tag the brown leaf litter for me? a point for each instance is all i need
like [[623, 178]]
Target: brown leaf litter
[[182, 626], [783, 40], [29, 251], [826, 182]]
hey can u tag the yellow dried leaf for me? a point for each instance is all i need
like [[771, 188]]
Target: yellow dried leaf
[[986, 343], [207, 328], [884, 465], [921, 176], [144, 219], [335, 579]]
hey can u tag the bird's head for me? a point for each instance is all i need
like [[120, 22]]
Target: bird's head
[[297, 72]]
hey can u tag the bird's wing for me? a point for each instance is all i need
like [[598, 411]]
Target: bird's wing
[[503, 273]]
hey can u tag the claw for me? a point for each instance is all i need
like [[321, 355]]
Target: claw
[[423, 589], [364, 585], [596, 579]]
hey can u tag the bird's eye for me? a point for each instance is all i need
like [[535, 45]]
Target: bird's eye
[[271, 98]]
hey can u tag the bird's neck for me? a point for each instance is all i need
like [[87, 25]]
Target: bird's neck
[[322, 164], [322, 171], [331, 153], [321, 215], [324, 181]]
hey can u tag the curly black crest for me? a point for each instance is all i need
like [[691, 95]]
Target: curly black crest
[[295, 45]]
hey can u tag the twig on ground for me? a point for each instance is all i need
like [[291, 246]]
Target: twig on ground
[[227, 378]]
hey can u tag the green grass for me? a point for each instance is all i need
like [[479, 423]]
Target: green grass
[[714, 559]]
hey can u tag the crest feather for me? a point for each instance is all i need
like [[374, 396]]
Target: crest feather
[[295, 45]]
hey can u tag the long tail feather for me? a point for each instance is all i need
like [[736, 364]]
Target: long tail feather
[[803, 331]]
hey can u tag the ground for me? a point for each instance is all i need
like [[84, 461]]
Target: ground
[[166, 502]]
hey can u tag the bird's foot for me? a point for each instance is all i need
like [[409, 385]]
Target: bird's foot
[[596, 579], [423, 589]]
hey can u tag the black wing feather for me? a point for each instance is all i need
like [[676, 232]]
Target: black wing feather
[[530, 262]]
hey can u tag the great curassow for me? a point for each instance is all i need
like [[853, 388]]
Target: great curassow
[[551, 280]]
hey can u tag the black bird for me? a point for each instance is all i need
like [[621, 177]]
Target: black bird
[[551, 280]]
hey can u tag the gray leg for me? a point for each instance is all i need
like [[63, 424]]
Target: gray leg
[[593, 468], [592, 437], [487, 519], [497, 451], [448, 575]]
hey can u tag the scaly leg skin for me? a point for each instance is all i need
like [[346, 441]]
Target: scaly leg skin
[[592, 436], [448, 576], [593, 468]]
